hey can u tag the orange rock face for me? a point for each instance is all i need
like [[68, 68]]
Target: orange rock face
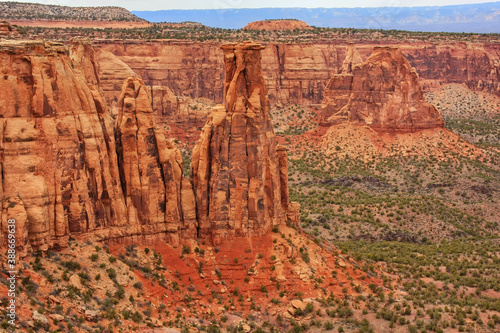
[[236, 165], [151, 171], [59, 167], [5, 28], [383, 92], [68, 168], [277, 25], [298, 73], [60, 170]]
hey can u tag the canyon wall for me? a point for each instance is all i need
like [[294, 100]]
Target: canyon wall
[[71, 167], [298, 73], [58, 163], [61, 174]]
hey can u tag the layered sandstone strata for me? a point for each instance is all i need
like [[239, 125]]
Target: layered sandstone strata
[[158, 198], [383, 92], [59, 167], [298, 73], [236, 164], [279, 25], [68, 169], [60, 172]]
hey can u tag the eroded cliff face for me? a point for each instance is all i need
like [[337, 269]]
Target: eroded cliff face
[[236, 165], [298, 73], [69, 168], [61, 174], [277, 25], [156, 194], [383, 92], [59, 168]]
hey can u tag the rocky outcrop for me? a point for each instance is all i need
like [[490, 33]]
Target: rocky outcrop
[[169, 109], [60, 172], [236, 164], [5, 29], [352, 58], [112, 72], [59, 168], [280, 25], [383, 93], [151, 171], [68, 169]]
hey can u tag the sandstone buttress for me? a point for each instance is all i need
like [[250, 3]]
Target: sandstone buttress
[[383, 92], [236, 164]]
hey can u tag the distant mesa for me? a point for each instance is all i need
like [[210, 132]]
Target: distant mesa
[[185, 24], [383, 92], [278, 25]]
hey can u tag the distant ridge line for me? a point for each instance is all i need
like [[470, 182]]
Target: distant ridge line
[[474, 18]]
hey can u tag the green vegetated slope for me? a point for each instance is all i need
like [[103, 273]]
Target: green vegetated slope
[[194, 32], [34, 11], [433, 218], [473, 115]]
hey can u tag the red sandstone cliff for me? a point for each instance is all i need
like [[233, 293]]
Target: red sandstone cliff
[[151, 171], [67, 168], [298, 73], [383, 92], [61, 174], [236, 165], [59, 168]]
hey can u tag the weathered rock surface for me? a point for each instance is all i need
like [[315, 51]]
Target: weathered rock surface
[[151, 170], [68, 168], [56, 137], [352, 58], [112, 72], [60, 170], [298, 73], [383, 92], [236, 167], [169, 109], [5, 29]]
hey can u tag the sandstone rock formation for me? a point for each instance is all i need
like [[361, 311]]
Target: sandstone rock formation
[[169, 109], [59, 165], [151, 171], [5, 28], [67, 168], [112, 72], [277, 25], [60, 171], [298, 73], [352, 58], [383, 92], [236, 164]]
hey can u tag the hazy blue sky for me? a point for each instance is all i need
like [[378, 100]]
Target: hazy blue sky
[[217, 4]]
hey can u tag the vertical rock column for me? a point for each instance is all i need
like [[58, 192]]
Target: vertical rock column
[[160, 202], [236, 167]]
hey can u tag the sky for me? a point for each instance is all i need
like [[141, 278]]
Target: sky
[[219, 4]]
